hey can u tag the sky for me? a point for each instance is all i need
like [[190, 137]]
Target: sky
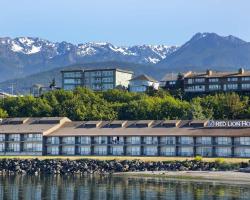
[[124, 22]]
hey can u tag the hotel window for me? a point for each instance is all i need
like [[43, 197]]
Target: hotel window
[[190, 81], [101, 140], [172, 82], [245, 86], [108, 86], [232, 79], [72, 81], [150, 140], [186, 151], [100, 150], [224, 140], [53, 150], [68, 150], [214, 87], [223, 151], [14, 147], [167, 140], [14, 137], [204, 151], [245, 78], [85, 150], [204, 140], [2, 137], [213, 80], [168, 151], [85, 140], [72, 74], [2, 147], [117, 150], [32, 147], [242, 140], [186, 140], [53, 140], [33, 137], [232, 86], [200, 80], [107, 79], [242, 152], [150, 150], [117, 140], [134, 140], [107, 73], [68, 140], [134, 151]]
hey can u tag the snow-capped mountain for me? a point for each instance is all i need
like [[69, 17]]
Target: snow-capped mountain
[[26, 55]]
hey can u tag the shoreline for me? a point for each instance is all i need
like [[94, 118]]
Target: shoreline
[[218, 176]]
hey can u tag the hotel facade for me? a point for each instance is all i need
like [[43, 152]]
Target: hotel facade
[[61, 136]]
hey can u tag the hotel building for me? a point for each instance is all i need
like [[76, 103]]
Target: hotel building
[[210, 81], [61, 136], [96, 79]]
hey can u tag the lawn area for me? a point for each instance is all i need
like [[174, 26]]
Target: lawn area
[[155, 159]]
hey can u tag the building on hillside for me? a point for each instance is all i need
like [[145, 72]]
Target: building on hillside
[[172, 81], [5, 95], [210, 81], [38, 89], [96, 79], [142, 83], [61, 136]]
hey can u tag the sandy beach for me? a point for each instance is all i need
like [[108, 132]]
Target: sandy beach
[[223, 176]]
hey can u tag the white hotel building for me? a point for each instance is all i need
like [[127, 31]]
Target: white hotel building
[[61, 136]]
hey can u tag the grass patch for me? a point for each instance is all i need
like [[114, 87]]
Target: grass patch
[[154, 159]]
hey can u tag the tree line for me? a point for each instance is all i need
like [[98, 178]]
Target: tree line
[[85, 104]]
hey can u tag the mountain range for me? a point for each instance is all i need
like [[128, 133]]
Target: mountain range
[[41, 60]]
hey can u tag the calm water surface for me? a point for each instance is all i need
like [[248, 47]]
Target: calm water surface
[[74, 187]]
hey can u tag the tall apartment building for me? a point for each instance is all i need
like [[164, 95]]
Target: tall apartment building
[[61, 136], [96, 79], [210, 81]]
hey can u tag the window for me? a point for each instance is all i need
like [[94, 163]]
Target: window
[[117, 140], [224, 140], [2, 137], [242, 152], [167, 140], [72, 81], [223, 151], [172, 82], [107, 79], [196, 88], [150, 140], [33, 137], [52, 150], [242, 141], [200, 80], [204, 151], [190, 81], [32, 147], [150, 151], [101, 140], [72, 74], [14, 137], [186, 151], [245, 86], [133, 140], [85, 140], [245, 78], [214, 87], [14, 147], [69, 87], [107, 73], [213, 80], [100, 150], [204, 140], [68, 150], [232, 86], [107, 86], [232, 79], [133, 151], [53, 140], [84, 150], [186, 140], [167, 151], [2, 147], [117, 150], [68, 140]]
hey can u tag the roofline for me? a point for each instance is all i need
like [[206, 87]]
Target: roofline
[[98, 69]]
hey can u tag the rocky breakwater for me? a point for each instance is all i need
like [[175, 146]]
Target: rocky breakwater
[[88, 166]]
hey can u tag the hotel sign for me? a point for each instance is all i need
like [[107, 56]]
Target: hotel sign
[[228, 124]]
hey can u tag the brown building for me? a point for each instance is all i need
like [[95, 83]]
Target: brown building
[[210, 81], [61, 136]]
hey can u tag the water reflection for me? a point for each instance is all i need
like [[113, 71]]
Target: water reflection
[[70, 187]]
